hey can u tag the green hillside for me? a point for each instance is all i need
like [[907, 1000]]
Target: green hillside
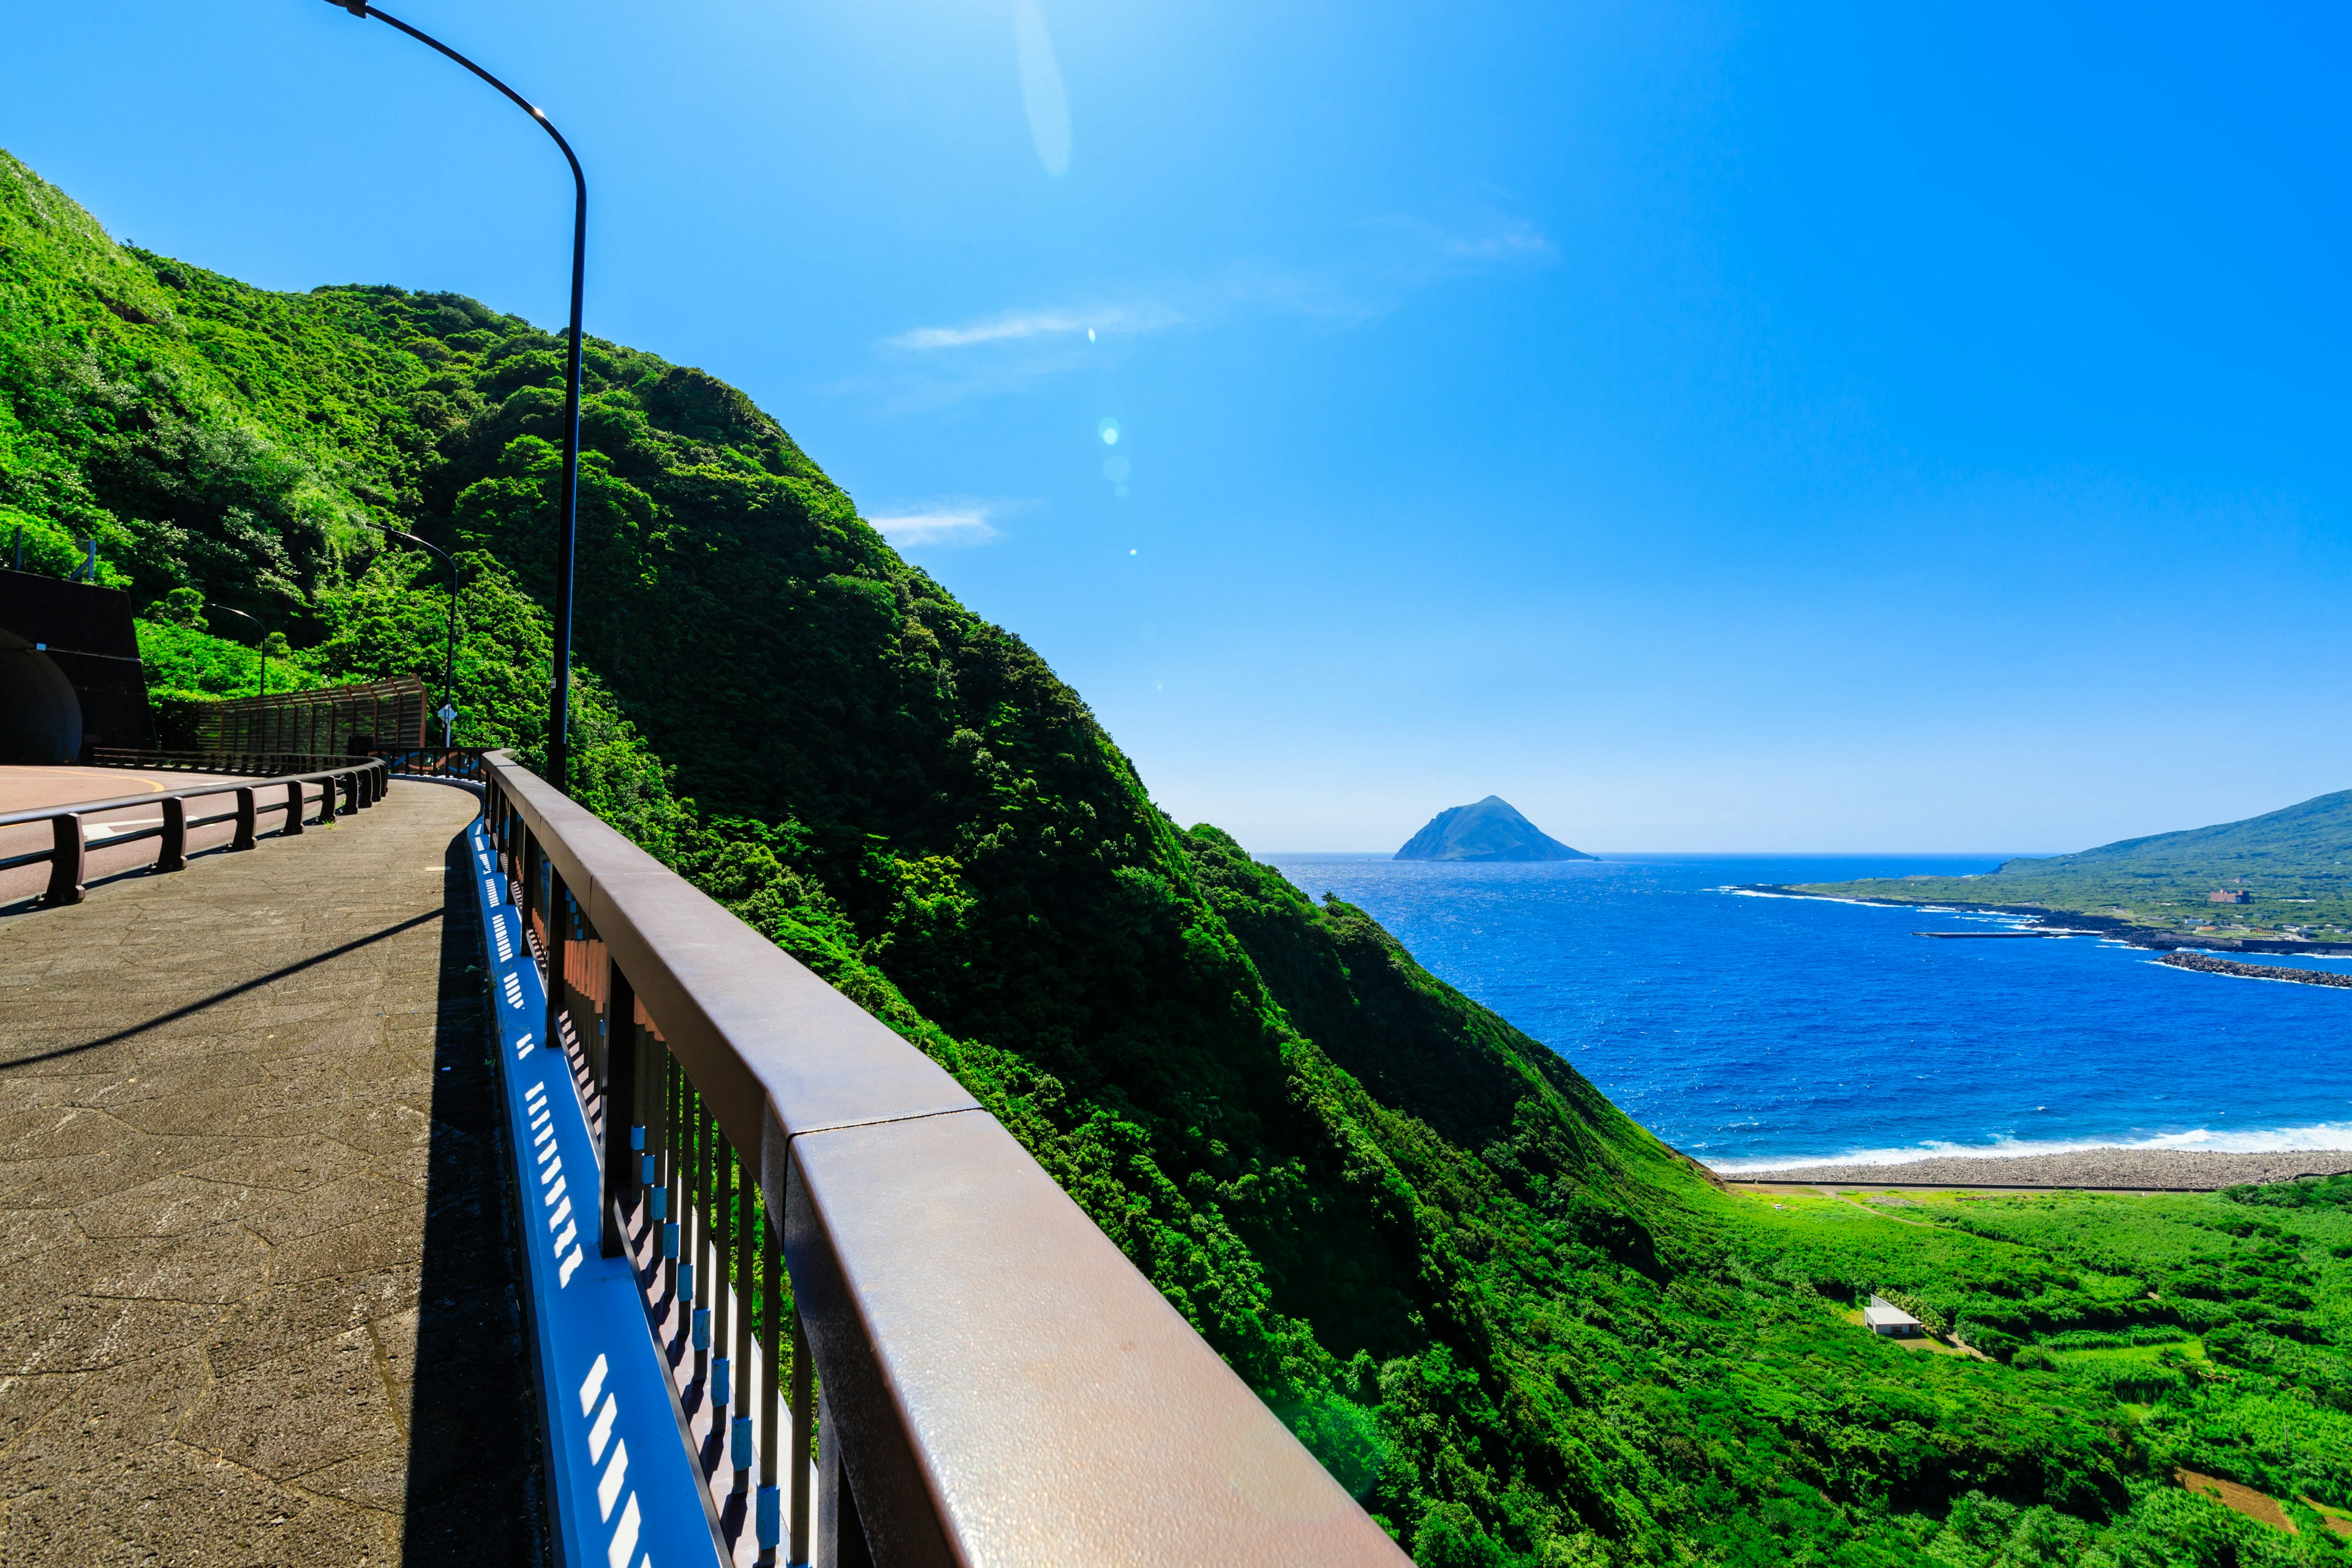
[[1524, 1332], [2295, 865]]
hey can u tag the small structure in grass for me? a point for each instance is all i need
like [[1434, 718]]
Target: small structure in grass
[[1884, 1317]]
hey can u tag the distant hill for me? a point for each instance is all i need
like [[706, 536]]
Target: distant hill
[[2295, 866], [1492, 829]]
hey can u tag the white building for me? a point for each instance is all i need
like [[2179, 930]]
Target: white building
[[1883, 1317]]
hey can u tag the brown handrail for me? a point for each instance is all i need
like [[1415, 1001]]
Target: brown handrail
[[999, 1385], [342, 791]]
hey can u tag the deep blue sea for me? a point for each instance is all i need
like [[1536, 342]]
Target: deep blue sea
[[1750, 1031]]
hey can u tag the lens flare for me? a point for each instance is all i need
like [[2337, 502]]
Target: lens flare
[[1108, 430], [1041, 87]]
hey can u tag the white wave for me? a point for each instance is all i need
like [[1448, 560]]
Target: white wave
[[2328, 1135], [1815, 899]]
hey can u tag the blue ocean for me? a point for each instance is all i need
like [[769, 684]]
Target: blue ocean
[[1753, 1031]]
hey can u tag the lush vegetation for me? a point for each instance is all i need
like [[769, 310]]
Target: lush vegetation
[[2296, 865], [1518, 1326]]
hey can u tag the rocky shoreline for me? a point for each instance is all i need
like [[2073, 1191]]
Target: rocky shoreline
[[2205, 964], [2131, 1170], [2039, 916]]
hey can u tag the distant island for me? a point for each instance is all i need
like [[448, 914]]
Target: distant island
[[2276, 883], [1492, 829]]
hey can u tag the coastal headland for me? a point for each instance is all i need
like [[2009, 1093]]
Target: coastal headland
[[2274, 883], [2115, 1169], [2042, 917]]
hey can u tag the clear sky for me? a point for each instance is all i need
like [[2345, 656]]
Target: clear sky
[[1708, 428]]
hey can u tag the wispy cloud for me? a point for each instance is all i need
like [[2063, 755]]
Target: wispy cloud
[[1466, 241], [959, 522], [1016, 325], [1506, 240], [1014, 350]]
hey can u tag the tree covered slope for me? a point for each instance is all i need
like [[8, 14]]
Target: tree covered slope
[[1520, 1328]]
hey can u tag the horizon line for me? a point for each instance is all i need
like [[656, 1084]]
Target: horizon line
[[1723, 855]]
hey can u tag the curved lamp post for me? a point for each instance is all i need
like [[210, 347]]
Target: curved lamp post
[[257, 626], [558, 707], [449, 654]]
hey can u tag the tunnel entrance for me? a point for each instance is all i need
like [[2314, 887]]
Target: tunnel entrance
[[40, 717]]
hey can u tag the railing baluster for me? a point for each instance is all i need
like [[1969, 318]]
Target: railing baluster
[[668, 1199], [625, 1132], [803, 1416], [293, 810], [771, 1336], [247, 814], [747, 1234], [558, 931], [722, 1288], [698, 1253]]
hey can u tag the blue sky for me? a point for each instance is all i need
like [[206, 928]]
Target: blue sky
[[1710, 427]]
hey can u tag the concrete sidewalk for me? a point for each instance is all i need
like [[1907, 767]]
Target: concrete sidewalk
[[261, 1303]]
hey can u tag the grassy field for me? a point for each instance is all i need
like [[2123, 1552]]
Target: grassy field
[[2208, 1334]]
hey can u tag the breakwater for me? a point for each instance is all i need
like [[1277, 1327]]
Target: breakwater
[[2205, 963]]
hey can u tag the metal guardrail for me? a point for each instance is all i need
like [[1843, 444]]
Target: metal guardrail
[[435, 761], [803, 1193], [357, 785], [266, 764]]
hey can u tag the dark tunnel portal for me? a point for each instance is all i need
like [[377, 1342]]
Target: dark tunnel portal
[[40, 717]]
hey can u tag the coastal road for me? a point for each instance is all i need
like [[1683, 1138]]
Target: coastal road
[[51, 788]]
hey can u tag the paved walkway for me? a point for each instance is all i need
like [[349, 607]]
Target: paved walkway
[[260, 1297]]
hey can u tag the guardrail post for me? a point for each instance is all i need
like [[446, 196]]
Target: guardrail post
[[65, 860], [293, 809], [173, 854], [245, 813]]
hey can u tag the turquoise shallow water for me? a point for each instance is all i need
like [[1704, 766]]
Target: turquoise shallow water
[[1749, 1031]]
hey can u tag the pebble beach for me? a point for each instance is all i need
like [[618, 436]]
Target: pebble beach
[[2118, 1168]]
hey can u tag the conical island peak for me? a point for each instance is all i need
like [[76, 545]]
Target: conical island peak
[[1492, 829]]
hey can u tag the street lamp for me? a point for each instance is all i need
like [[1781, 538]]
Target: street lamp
[[558, 707], [265, 640], [449, 654]]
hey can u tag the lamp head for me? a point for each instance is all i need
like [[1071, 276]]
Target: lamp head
[[356, 7]]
